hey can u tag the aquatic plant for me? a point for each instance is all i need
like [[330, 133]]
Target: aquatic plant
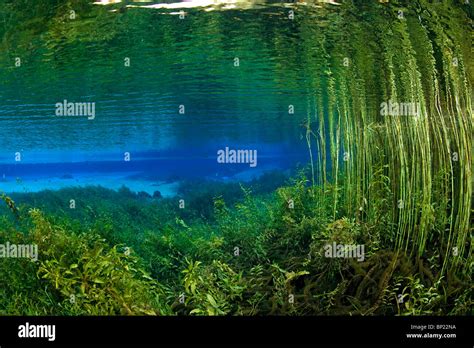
[[420, 64]]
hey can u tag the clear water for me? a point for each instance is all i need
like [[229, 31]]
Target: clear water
[[173, 83], [174, 62]]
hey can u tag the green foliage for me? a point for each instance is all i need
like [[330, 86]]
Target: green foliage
[[79, 274], [417, 299], [212, 290], [262, 254]]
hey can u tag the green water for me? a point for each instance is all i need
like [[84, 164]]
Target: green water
[[173, 62]]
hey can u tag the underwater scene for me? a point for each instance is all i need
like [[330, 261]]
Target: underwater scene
[[236, 157]]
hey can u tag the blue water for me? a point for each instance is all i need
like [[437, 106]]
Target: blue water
[[173, 63]]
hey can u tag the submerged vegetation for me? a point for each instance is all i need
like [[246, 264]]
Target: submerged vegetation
[[264, 255], [401, 186]]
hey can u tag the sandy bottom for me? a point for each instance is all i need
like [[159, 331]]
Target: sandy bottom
[[135, 181], [109, 180]]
